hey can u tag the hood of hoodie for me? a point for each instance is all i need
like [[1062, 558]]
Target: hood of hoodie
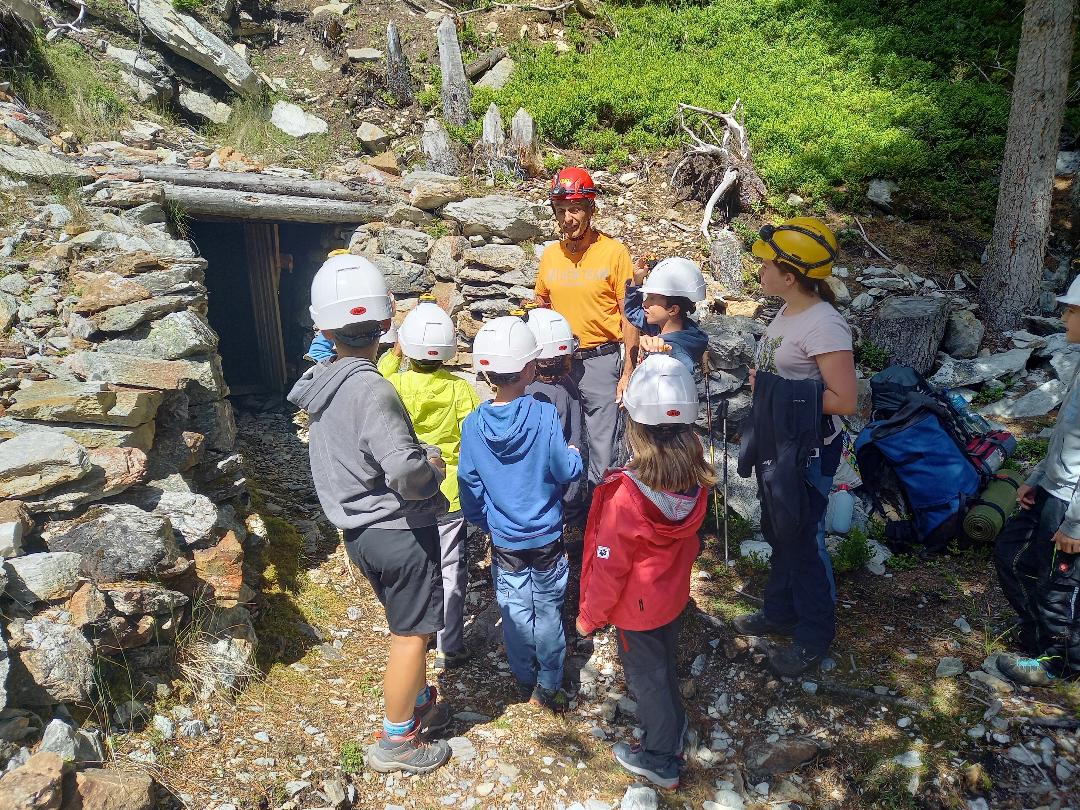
[[674, 509], [317, 387], [690, 337], [509, 430]]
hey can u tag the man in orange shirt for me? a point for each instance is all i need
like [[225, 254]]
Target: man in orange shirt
[[583, 278]]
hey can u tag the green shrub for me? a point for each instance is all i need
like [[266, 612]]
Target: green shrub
[[903, 562], [852, 552], [871, 356], [835, 91], [188, 6], [1031, 450]]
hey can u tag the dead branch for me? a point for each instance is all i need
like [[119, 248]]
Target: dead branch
[[872, 246], [851, 693], [716, 165], [533, 7], [1067, 723], [57, 30]]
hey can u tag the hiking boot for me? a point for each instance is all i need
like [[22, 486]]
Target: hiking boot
[[791, 659], [554, 701], [757, 624], [451, 660], [389, 754], [524, 691], [638, 762], [433, 716], [1023, 670]]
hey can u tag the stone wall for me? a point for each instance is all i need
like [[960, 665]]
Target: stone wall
[[123, 498]]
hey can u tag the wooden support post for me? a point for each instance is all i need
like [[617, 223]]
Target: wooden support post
[[261, 250], [456, 95]]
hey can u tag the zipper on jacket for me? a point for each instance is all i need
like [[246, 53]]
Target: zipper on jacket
[[641, 605]]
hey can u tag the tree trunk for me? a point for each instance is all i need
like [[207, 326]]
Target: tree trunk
[[474, 70], [212, 202], [910, 330], [438, 149], [1010, 284]]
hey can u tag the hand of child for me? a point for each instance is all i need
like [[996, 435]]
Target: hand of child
[[1025, 496], [1070, 545], [753, 376], [574, 448], [641, 270], [438, 463], [650, 344], [580, 627]]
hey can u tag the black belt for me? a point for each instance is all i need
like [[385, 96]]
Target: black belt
[[596, 351]]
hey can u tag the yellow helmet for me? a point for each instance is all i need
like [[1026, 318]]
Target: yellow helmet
[[805, 243]]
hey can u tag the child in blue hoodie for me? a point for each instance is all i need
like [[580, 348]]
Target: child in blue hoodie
[[659, 303], [513, 469]]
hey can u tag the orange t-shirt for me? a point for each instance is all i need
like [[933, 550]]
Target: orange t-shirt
[[587, 289]]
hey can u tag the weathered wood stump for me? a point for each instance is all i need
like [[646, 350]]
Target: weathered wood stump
[[523, 143], [438, 149], [399, 81], [910, 330], [456, 94]]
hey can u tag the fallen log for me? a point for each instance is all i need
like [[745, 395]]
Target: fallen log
[[839, 690], [268, 184], [198, 201], [484, 63]]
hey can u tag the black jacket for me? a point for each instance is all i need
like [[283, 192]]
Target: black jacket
[[566, 397], [783, 428]]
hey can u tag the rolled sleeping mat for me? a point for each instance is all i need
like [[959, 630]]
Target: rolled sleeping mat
[[989, 512]]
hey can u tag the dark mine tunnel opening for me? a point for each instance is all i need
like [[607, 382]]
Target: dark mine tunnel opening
[[258, 279]]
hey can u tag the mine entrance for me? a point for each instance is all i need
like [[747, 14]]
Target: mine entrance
[[258, 278]]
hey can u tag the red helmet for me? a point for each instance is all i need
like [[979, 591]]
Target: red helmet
[[572, 183]]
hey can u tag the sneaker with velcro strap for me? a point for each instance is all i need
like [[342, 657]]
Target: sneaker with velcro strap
[[407, 753]]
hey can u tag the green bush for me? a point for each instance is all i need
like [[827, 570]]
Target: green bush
[[835, 91], [852, 552], [188, 6], [871, 356]]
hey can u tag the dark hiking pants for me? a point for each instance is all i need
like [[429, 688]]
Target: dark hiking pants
[[648, 660], [1041, 583]]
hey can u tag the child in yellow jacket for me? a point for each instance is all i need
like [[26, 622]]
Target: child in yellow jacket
[[438, 402]]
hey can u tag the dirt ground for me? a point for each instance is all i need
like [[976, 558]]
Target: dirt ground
[[300, 726]]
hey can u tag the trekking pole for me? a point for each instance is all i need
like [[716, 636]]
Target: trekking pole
[[726, 558], [706, 367]]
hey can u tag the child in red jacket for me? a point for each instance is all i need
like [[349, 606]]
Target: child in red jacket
[[641, 540]]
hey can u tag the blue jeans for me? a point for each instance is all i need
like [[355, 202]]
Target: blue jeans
[[530, 601], [820, 475]]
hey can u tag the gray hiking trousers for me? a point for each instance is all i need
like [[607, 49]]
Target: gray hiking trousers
[[598, 378]]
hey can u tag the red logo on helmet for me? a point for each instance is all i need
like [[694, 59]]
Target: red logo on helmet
[[358, 310], [563, 348], [674, 412], [485, 362], [432, 353], [1063, 567]]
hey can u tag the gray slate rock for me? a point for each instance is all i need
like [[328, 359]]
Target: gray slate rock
[[176, 336], [499, 215], [405, 278], [959, 373], [128, 316], [205, 108], [640, 797], [36, 462], [949, 668], [120, 542], [43, 577], [294, 121], [405, 244], [57, 663], [1037, 402], [963, 335]]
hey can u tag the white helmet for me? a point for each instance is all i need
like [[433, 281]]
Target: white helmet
[[661, 392], [676, 277], [427, 333], [552, 332], [348, 289], [504, 346]]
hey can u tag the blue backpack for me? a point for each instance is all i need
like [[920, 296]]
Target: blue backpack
[[914, 465]]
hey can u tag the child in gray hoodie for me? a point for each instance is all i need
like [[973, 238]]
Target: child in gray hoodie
[[1037, 554], [380, 486]]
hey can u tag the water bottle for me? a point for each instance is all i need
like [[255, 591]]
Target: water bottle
[[974, 423], [840, 510]]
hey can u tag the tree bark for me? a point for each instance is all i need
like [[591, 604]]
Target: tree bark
[[485, 63], [910, 330], [1010, 284], [210, 202]]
